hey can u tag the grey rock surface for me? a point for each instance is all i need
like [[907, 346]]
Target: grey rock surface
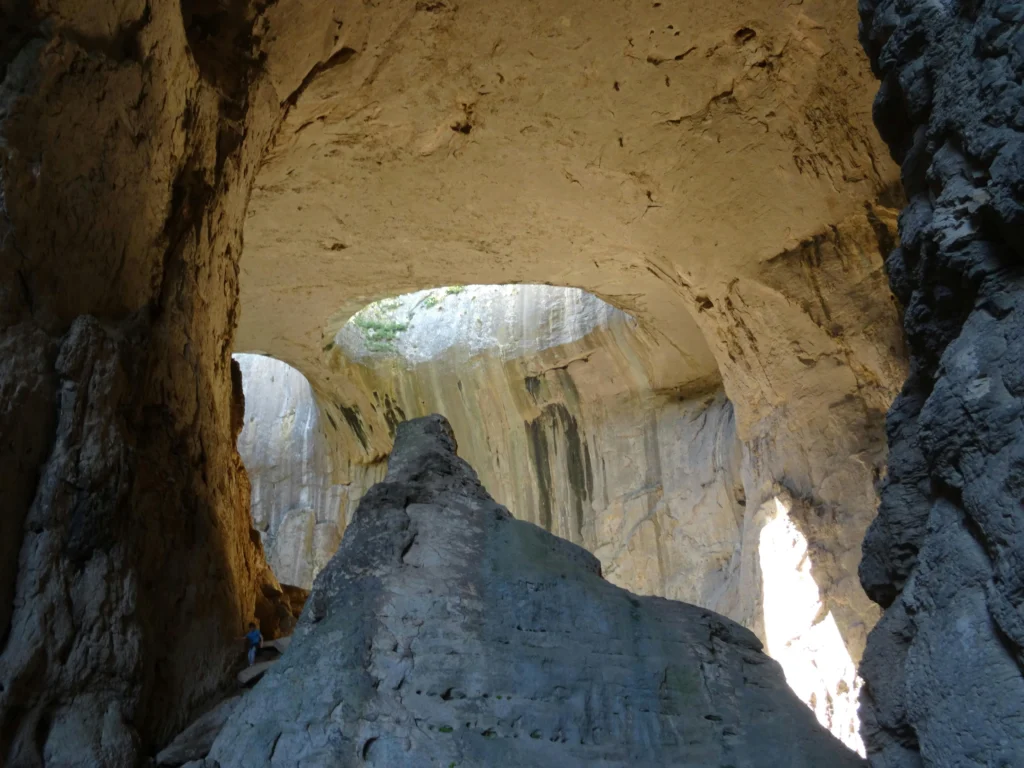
[[250, 675], [946, 553], [445, 632], [195, 741]]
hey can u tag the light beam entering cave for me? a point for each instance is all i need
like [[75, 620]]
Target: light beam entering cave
[[801, 633]]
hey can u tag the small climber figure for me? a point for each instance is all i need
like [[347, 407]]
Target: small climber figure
[[253, 642]]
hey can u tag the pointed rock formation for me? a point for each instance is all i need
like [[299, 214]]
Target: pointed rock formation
[[446, 632]]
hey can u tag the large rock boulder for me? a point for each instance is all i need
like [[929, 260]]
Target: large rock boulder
[[446, 632]]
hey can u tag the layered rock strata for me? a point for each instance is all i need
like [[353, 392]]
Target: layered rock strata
[[446, 632], [945, 557]]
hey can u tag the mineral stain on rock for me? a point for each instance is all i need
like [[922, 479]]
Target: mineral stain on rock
[[538, 444], [551, 393], [355, 423], [556, 420], [393, 414]]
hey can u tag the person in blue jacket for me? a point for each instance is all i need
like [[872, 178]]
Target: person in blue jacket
[[253, 641]]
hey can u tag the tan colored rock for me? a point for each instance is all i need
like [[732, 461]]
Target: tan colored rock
[[557, 143], [736, 201]]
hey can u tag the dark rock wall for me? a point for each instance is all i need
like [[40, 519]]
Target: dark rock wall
[[126, 563], [945, 556]]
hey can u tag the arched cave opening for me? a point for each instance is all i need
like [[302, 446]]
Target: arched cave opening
[[566, 408], [290, 449]]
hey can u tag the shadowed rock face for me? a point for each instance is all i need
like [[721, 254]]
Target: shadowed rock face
[[946, 554], [446, 632], [127, 568]]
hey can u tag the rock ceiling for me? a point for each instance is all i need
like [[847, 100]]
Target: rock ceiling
[[649, 152]]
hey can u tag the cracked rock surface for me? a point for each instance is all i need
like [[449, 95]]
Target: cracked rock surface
[[445, 632]]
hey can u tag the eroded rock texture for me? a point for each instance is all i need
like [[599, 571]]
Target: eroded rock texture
[[446, 632], [544, 386], [702, 166], [946, 554], [709, 169]]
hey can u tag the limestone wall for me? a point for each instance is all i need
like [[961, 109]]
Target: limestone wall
[[298, 508], [445, 632], [547, 391], [698, 165]]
